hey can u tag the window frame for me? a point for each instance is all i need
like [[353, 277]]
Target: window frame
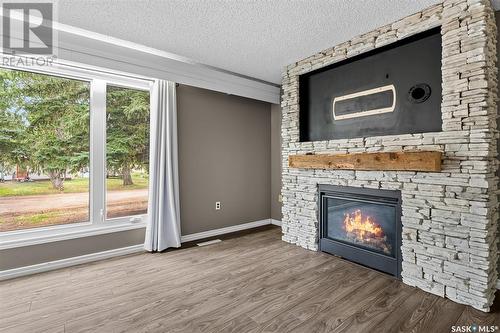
[[98, 80]]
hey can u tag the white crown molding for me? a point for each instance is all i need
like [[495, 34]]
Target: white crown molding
[[90, 48], [138, 60]]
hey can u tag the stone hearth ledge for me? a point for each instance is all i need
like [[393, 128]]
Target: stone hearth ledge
[[450, 217]]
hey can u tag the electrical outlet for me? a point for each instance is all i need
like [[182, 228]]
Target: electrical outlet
[[217, 205]]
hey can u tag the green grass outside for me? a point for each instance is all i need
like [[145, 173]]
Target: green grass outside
[[40, 218], [75, 185]]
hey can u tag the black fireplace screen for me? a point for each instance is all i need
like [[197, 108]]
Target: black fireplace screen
[[362, 225]]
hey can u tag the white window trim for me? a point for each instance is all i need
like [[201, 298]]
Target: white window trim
[[28, 237], [98, 225], [98, 151], [69, 69]]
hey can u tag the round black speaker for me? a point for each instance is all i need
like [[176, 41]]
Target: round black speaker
[[419, 93]]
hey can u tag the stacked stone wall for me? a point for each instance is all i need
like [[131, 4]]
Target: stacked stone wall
[[449, 218]]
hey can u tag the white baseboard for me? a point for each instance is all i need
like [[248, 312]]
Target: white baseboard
[[276, 222], [226, 230], [51, 265]]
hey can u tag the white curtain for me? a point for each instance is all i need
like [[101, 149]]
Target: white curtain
[[163, 228]]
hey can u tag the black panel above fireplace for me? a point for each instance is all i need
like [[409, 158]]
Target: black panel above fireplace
[[362, 225], [394, 89]]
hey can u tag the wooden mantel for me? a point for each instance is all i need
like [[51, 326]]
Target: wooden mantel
[[395, 161]]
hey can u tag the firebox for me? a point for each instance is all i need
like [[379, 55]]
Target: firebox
[[362, 225]]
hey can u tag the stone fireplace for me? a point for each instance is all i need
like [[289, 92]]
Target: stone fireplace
[[449, 217]]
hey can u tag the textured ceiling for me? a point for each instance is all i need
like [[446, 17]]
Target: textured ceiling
[[250, 37]]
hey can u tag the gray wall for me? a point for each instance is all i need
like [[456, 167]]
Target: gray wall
[[224, 156], [35, 254], [275, 161]]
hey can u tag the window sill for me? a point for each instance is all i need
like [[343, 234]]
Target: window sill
[[21, 238]]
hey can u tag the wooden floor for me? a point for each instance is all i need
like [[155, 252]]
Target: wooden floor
[[252, 283]]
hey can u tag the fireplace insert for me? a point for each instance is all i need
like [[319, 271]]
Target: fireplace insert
[[362, 225]]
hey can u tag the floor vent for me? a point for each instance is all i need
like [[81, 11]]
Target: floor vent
[[209, 242]]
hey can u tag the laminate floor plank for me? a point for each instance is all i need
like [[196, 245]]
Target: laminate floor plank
[[142, 291], [176, 304], [250, 282], [61, 278], [367, 318], [439, 318], [337, 312], [322, 298], [472, 316], [406, 315], [235, 300]]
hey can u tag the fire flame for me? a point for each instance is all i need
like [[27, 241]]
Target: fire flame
[[362, 226]]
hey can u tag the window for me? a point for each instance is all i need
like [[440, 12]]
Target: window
[[74, 148], [127, 151], [44, 143]]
